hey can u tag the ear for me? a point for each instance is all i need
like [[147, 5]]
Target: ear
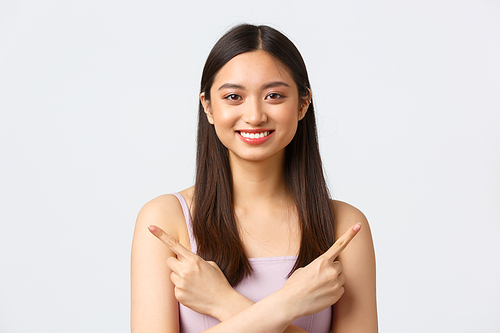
[[206, 106], [305, 101]]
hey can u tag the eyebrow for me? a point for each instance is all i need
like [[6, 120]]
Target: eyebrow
[[275, 84], [231, 85], [265, 86]]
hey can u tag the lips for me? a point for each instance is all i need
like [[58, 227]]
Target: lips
[[250, 135], [255, 137]]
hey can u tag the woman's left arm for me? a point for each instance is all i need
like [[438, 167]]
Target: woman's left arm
[[201, 286], [356, 310]]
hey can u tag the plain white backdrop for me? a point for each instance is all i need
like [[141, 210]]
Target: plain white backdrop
[[98, 104]]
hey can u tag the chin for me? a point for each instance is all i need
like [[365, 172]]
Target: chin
[[258, 157]]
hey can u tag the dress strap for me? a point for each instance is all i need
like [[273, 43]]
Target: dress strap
[[189, 221]]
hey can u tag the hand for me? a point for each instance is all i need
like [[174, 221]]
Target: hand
[[199, 285], [319, 284]]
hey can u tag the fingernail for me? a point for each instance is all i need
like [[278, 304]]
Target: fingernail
[[153, 229], [357, 226]]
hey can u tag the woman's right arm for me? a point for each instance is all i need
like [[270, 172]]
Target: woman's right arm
[[154, 308], [309, 289]]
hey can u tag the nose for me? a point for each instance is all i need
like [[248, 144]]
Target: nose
[[254, 113]]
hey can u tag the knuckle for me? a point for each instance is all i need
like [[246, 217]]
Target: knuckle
[[323, 262], [180, 284], [341, 242], [341, 279], [184, 273], [196, 264], [194, 260], [179, 294], [337, 265], [169, 241], [173, 278]]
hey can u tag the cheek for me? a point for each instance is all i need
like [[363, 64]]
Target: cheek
[[290, 121], [292, 131], [222, 116], [288, 117], [223, 124]]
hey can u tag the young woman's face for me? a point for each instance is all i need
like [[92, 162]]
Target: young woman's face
[[254, 106]]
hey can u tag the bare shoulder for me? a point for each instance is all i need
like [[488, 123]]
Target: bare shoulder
[[356, 311], [346, 216], [359, 255], [154, 307], [164, 211]]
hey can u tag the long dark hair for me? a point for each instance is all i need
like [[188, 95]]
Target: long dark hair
[[214, 221]]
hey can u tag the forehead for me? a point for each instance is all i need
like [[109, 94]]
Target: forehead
[[254, 68]]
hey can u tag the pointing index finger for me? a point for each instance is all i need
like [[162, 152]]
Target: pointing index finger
[[343, 241], [170, 242]]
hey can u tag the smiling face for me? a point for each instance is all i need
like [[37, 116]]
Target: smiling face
[[254, 106]]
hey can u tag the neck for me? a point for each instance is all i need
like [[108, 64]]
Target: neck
[[257, 184]]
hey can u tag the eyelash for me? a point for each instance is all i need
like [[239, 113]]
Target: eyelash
[[276, 96], [236, 97], [233, 97]]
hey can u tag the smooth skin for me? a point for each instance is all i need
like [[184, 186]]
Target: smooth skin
[[252, 91]]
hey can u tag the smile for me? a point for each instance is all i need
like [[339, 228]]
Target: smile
[[255, 135]]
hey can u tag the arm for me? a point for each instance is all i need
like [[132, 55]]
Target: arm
[[309, 289], [154, 308], [238, 303], [201, 286], [356, 311]]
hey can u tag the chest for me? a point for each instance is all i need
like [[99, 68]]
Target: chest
[[269, 234]]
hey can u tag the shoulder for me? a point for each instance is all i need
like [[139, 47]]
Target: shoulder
[[345, 216], [360, 250], [165, 212], [153, 304], [356, 311]]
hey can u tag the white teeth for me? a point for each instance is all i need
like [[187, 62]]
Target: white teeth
[[254, 135]]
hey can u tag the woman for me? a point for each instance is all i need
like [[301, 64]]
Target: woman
[[258, 215]]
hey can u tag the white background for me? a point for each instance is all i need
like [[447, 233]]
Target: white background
[[98, 105]]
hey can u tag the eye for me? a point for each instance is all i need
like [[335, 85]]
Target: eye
[[233, 97], [274, 96]]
